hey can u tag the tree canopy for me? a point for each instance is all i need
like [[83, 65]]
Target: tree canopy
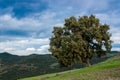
[[79, 40]]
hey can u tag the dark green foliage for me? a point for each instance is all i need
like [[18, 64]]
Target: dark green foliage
[[79, 40], [13, 67]]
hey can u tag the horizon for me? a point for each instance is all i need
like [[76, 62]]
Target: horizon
[[23, 55], [37, 53], [27, 25]]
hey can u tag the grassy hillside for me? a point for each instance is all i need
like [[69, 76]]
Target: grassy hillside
[[107, 70]]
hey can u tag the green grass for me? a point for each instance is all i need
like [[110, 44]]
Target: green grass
[[106, 70]]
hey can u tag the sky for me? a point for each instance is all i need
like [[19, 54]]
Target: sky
[[27, 25]]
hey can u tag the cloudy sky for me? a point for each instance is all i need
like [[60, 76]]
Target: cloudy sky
[[26, 25]]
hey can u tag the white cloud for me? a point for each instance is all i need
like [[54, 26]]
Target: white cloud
[[116, 49], [25, 46], [44, 49], [9, 49], [36, 25], [8, 22], [30, 49], [116, 38]]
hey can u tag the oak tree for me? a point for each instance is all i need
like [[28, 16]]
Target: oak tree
[[79, 40]]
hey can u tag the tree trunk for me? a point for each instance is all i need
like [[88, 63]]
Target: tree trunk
[[88, 64], [61, 64]]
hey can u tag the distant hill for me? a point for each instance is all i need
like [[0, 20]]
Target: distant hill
[[6, 55], [114, 52], [13, 67]]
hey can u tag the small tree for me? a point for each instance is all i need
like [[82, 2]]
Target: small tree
[[79, 40]]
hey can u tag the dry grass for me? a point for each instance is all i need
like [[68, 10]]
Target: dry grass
[[111, 74]]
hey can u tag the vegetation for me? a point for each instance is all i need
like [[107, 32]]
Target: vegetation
[[13, 67], [107, 70], [79, 40]]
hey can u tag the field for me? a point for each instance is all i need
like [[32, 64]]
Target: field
[[107, 70]]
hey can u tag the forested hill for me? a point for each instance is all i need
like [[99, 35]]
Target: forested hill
[[13, 67]]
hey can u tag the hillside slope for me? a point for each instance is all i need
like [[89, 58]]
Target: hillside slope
[[107, 70], [13, 67]]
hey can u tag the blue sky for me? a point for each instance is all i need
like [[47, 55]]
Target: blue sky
[[26, 25]]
